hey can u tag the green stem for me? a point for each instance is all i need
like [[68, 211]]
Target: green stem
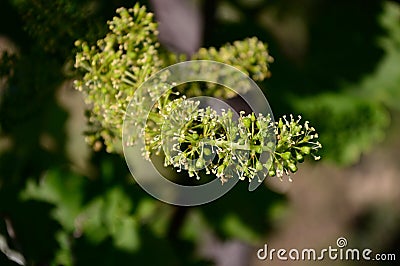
[[155, 117], [237, 146]]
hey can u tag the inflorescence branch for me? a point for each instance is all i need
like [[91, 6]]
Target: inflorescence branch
[[248, 146]]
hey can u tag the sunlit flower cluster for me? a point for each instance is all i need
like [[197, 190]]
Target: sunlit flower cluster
[[252, 146], [114, 67], [190, 138]]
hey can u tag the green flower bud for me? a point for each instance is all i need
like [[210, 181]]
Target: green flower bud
[[280, 123], [246, 122], [259, 166], [253, 117], [299, 157], [207, 151], [305, 150], [258, 149], [292, 167], [286, 155], [200, 163], [272, 172], [195, 136], [258, 124]]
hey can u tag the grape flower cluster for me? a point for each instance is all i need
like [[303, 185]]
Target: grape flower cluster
[[247, 146]]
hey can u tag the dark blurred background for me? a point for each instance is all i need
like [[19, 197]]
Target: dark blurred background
[[336, 62]]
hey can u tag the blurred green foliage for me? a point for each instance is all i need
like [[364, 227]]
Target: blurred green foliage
[[335, 62]]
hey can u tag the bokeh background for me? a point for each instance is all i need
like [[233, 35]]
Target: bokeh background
[[64, 203]]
